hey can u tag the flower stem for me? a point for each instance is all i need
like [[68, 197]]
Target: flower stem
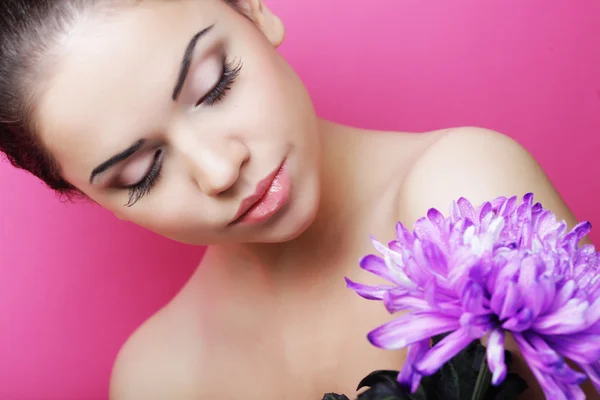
[[484, 377]]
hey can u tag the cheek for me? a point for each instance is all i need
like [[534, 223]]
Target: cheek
[[268, 85], [174, 211], [274, 99], [167, 224]]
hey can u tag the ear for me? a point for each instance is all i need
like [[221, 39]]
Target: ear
[[270, 24]]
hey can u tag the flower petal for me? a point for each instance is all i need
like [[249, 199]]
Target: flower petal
[[442, 352], [557, 379], [593, 371], [564, 294], [574, 392], [398, 300], [498, 299], [424, 229], [581, 230], [543, 351], [581, 348], [403, 235], [395, 264], [416, 271], [376, 265], [476, 325], [485, 211], [467, 210], [411, 328], [409, 376], [436, 218], [369, 292], [455, 214], [592, 314], [568, 319], [547, 290], [593, 290], [545, 222], [490, 238], [495, 356], [381, 249], [565, 374], [519, 322], [434, 257], [529, 286], [474, 299], [395, 301], [549, 361], [551, 388], [572, 239], [508, 206], [512, 301]]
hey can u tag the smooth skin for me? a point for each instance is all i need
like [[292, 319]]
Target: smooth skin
[[266, 315]]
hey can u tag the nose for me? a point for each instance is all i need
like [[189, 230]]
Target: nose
[[214, 163]]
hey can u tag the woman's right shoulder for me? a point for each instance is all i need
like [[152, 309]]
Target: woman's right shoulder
[[159, 360]]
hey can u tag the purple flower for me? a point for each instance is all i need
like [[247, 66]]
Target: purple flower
[[502, 268]]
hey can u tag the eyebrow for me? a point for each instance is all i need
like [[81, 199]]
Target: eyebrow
[[122, 156], [183, 72], [186, 61]]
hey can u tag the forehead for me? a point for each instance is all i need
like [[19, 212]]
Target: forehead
[[112, 78]]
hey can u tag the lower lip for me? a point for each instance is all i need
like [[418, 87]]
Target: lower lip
[[275, 197]]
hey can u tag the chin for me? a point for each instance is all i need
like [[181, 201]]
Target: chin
[[294, 220], [290, 233]]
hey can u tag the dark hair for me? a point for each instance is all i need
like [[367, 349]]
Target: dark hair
[[28, 28]]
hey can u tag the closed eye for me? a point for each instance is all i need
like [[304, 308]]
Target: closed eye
[[230, 73], [145, 185]]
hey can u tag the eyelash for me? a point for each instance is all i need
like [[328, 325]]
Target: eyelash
[[231, 70], [230, 73], [144, 186]]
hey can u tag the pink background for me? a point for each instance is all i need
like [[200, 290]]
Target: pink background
[[75, 282]]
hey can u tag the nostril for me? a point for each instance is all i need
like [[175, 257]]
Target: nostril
[[222, 180], [217, 167]]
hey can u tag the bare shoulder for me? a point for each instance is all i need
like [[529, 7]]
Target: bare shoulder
[[157, 362], [478, 164]]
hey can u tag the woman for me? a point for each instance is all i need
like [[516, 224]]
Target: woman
[[182, 117]]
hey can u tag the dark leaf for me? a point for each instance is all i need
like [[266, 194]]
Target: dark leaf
[[456, 380], [511, 388], [333, 396], [383, 385], [444, 384], [379, 377]]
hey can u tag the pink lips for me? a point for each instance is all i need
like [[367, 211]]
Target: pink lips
[[270, 195]]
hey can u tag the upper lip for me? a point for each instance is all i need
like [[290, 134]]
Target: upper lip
[[259, 192]]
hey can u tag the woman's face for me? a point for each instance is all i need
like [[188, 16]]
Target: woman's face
[[179, 116]]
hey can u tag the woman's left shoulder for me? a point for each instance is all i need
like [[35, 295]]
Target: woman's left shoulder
[[478, 164]]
